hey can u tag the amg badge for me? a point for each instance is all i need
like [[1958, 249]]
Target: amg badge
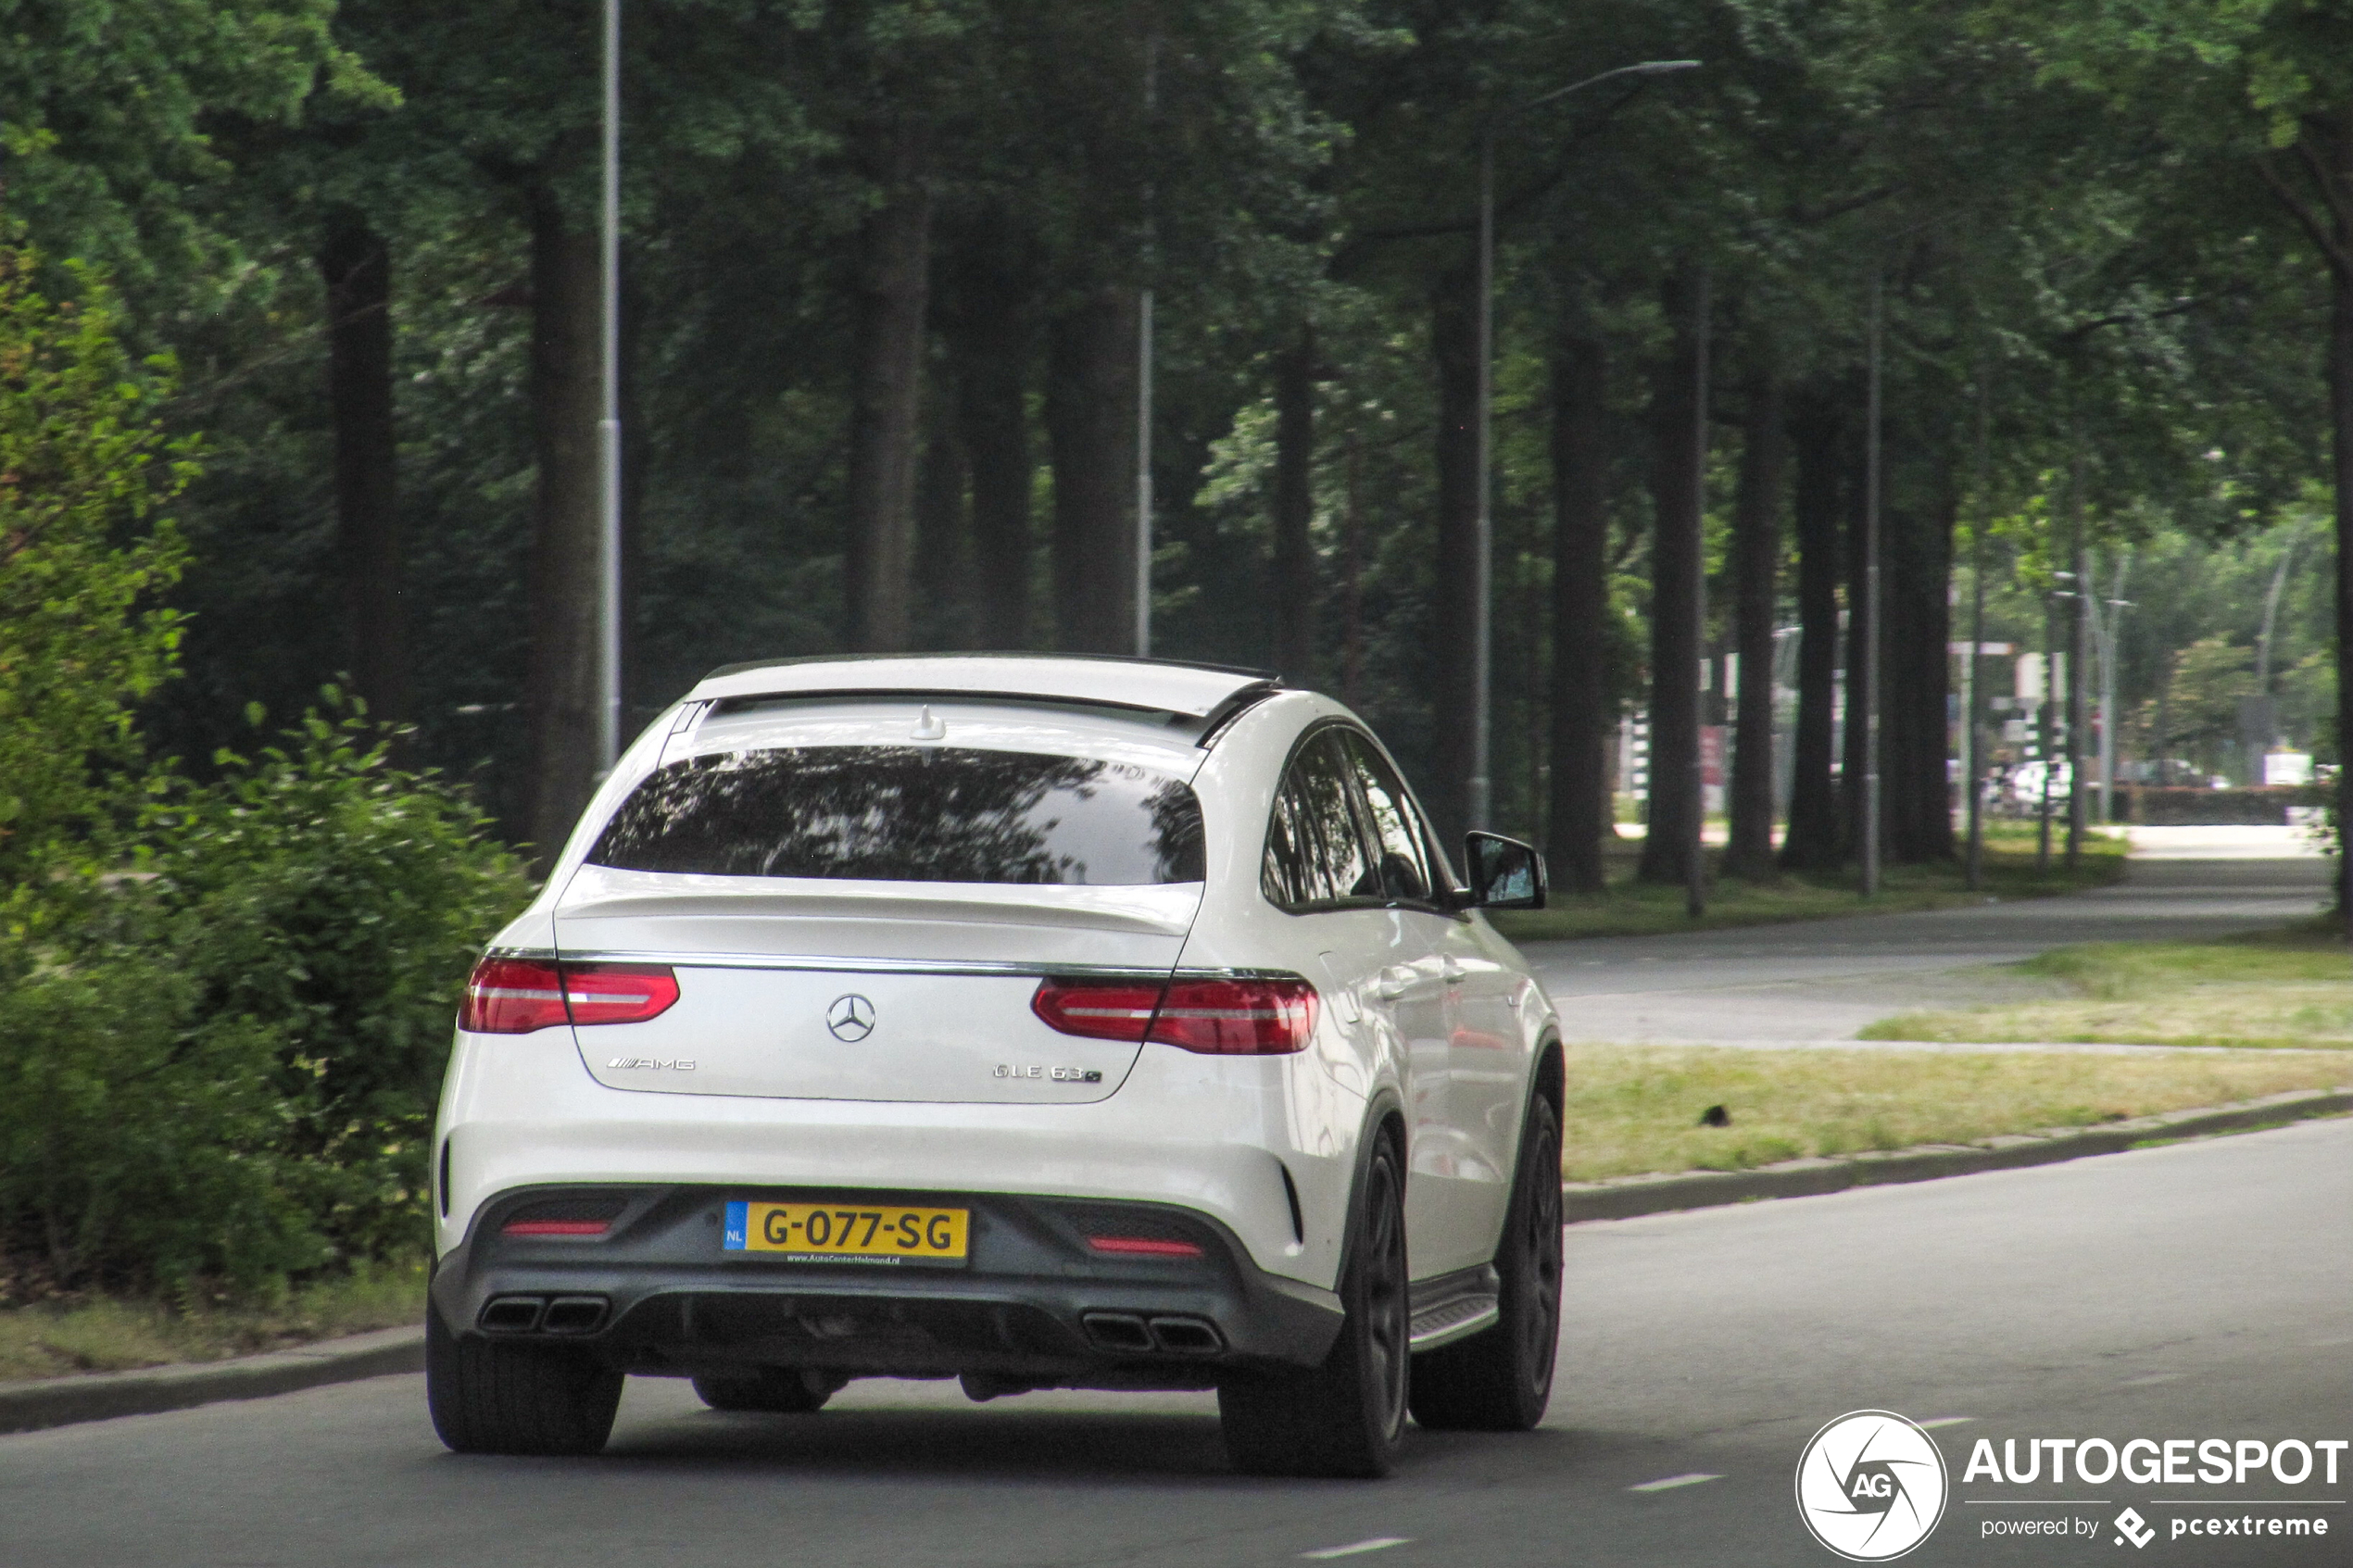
[[673, 1064]]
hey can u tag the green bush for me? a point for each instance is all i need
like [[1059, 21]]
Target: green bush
[[138, 1146], [324, 895], [230, 1074]]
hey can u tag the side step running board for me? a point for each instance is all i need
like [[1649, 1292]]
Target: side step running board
[[1454, 1307]]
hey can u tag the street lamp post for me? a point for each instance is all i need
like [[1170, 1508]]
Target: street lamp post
[[609, 425], [1873, 637], [1480, 792]]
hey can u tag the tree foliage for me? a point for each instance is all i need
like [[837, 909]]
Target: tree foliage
[[85, 554]]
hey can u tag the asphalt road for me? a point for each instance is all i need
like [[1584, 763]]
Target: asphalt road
[[1823, 980], [2197, 1290]]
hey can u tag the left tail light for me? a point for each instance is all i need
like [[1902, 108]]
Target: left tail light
[[517, 995], [1209, 1017]]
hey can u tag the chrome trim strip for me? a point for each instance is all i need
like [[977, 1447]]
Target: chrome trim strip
[[801, 963], [867, 966], [816, 962]]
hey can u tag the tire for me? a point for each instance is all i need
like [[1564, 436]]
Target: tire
[[1501, 1379], [775, 1390], [493, 1397], [1346, 1417]]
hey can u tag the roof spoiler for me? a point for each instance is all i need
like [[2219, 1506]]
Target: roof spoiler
[[1243, 699]]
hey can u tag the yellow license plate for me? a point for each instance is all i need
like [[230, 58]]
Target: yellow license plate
[[846, 1232]]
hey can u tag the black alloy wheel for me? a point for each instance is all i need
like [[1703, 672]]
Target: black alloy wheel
[[1501, 1379], [1346, 1417], [777, 1391]]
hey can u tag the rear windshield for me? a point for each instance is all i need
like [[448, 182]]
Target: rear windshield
[[905, 813]]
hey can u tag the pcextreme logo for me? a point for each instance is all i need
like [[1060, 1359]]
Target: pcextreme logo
[[1871, 1485]]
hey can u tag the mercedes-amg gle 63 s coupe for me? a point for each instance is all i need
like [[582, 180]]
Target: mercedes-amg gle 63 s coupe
[[1039, 1022]]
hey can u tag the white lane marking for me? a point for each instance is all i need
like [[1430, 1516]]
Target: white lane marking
[[1376, 1544], [1693, 1479], [2152, 1379], [1948, 1420]]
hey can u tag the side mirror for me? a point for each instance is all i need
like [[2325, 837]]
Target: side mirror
[[1504, 873]]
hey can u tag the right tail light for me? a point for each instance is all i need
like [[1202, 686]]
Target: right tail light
[[1273, 1017]]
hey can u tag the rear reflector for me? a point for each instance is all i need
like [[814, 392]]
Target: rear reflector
[[1211, 1017], [517, 995], [1143, 1246], [555, 1227]]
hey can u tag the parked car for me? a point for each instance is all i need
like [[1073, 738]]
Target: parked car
[[1036, 1022]]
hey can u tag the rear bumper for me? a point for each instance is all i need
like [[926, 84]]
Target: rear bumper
[[1035, 1303], [1263, 1147]]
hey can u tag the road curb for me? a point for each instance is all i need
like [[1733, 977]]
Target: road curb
[[1625, 1197], [63, 1401]]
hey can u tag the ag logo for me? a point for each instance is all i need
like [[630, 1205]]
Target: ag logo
[[1870, 1485], [850, 1018]]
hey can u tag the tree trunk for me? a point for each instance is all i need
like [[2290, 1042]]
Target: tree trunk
[[1675, 568], [565, 403], [1091, 425], [1815, 432], [1295, 509], [943, 554], [1583, 716], [893, 285], [356, 265], [1919, 565], [990, 348], [1454, 688], [1757, 555]]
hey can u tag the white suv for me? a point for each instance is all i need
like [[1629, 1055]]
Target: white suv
[[1039, 1022]]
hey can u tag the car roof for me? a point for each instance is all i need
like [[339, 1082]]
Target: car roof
[[1155, 685]]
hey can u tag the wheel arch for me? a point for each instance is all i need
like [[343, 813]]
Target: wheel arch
[[1384, 1122]]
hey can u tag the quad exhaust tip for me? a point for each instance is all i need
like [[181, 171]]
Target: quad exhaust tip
[[539, 1314], [1130, 1334], [1187, 1336]]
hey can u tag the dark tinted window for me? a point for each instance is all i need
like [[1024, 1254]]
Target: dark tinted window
[[1314, 854], [904, 813], [1397, 837]]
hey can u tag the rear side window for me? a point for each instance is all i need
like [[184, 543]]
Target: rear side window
[[910, 814], [1397, 838], [1316, 855]]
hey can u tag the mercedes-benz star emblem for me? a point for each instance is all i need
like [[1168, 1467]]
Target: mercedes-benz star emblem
[[850, 1017]]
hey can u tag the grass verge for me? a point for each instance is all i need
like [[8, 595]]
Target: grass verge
[[2291, 988], [1631, 908], [115, 1335], [1636, 1108]]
